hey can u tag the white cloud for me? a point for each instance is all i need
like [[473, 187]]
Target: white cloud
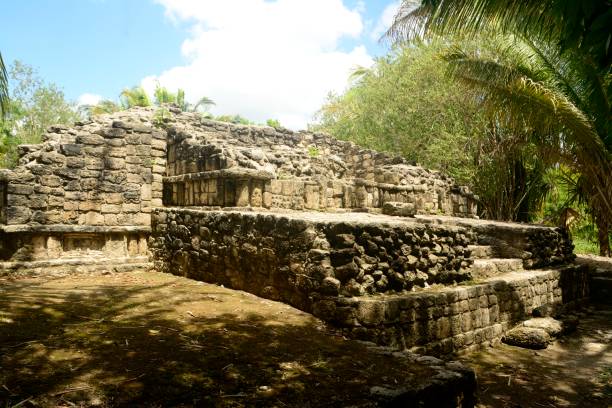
[[385, 20], [89, 99], [264, 59]]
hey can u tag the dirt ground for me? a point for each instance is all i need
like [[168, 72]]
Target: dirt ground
[[152, 339], [575, 371]]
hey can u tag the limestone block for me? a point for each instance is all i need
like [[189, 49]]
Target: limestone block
[[110, 208], [68, 217], [142, 219], [256, 194], [116, 245], [145, 192], [242, 193], [110, 219], [89, 139], [21, 189], [50, 181], [267, 199], [276, 186], [91, 218], [54, 246], [55, 201], [113, 198], [142, 245], [132, 246], [89, 205], [114, 163], [71, 205], [39, 247], [18, 215], [129, 208]]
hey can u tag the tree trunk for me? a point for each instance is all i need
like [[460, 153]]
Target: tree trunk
[[603, 232]]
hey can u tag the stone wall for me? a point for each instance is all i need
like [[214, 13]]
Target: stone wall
[[86, 189], [455, 318], [219, 164], [385, 279], [298, 258], [537, 246]]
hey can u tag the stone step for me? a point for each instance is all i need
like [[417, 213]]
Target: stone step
[[442, 320], [481, 251], [66, 266], [486, 268]]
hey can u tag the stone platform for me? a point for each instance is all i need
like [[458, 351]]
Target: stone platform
[[393, 280]]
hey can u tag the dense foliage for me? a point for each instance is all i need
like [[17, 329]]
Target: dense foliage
[[408, 104], [549, 77], [33, 106]]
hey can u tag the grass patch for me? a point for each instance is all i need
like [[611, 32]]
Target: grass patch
[[585, 246]]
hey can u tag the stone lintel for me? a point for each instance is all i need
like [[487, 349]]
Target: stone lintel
[[62, 228], [224, 173]]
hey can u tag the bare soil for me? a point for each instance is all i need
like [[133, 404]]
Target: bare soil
[[153, 339], [574, 371]]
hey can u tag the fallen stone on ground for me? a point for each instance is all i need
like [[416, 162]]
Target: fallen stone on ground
[[528, 337], [548, 324]]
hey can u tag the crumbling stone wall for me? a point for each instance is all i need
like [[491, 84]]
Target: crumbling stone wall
[[298, 259], [91, 174], [87, 189], [338, 266], [455, 318], [219, 164], [537, 245]]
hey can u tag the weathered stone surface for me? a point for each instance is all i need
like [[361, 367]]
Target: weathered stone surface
[[94, 189], [527, 337], [399, 209], [551, 326]]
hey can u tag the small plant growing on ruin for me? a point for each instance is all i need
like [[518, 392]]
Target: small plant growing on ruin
[[161, 116], [313, 151]]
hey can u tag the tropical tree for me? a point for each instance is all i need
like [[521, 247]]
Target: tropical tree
[[135, 96], [582, 26], [550, 75], [407, 104], [4, 91], [203, 104], [34, 105]]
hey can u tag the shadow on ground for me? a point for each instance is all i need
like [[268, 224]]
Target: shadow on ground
[[153, 339], [575, 371]]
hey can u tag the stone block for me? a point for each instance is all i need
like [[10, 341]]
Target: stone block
[[145, 192], [18, 215], [91, 218], [114, 163], [110, 208]]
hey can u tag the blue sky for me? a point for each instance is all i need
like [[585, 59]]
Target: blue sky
[[275, 59]]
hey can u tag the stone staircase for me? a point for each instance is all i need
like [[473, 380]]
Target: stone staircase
[[487, 265]]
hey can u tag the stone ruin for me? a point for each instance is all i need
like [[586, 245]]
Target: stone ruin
[[382, 249]]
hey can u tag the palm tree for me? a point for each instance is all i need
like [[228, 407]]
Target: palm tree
[[550, 74], [582, 26], [4, 96], [204, 103], [104, 106], [135, 96]]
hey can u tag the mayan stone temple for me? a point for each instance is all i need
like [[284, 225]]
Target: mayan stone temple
[[382, 250]]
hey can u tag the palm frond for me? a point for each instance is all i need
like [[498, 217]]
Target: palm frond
[[526, 103], [204, 102], [4, 89], [582, 25], [135, 96]]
